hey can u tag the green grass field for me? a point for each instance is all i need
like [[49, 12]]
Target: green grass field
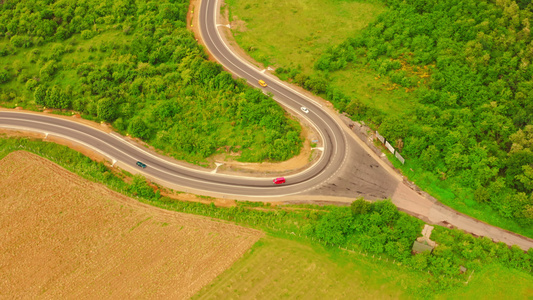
[[361, 82], [286, 33], [302, 31], [278, 268], [495, 282]]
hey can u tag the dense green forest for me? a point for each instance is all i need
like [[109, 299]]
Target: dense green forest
[[135, 65], [467, 64]]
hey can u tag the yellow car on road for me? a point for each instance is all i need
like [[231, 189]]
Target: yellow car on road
[[262, 83]]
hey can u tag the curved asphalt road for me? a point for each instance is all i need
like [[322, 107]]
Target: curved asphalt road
[[332, 136], [118, 150]]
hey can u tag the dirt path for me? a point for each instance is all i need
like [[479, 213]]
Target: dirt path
[[434, 212]]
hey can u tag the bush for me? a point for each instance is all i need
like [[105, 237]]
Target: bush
[[48, 70], [5, 76], [40, 95], [360, 207], [106, 109], [87, 34], [30, 84], [56, 98], [334, 226], [316, 84], [21, 41], [138, 128], [141, 188]]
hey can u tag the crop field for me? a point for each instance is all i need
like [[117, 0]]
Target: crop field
[[66, 237]]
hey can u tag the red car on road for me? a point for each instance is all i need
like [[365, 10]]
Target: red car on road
[[279, 180]]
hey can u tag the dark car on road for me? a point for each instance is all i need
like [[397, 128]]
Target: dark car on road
[[140, 164]]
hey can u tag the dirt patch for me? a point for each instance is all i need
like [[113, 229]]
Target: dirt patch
[[236, 24], [180, 196], [66, 237]]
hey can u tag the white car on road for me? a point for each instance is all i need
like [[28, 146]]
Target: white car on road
[[305, 110]]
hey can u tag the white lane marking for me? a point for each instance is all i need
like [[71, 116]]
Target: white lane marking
[[277, 81], [199, 172], [113, 134], [263, 71], [303, 96], [217, 165], [318, 129]]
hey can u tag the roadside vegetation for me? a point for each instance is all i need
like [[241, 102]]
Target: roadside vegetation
[[135, 65], [375, 232], [448, 84]]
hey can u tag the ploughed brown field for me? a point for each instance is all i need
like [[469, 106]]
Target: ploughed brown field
[[62, 236]]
